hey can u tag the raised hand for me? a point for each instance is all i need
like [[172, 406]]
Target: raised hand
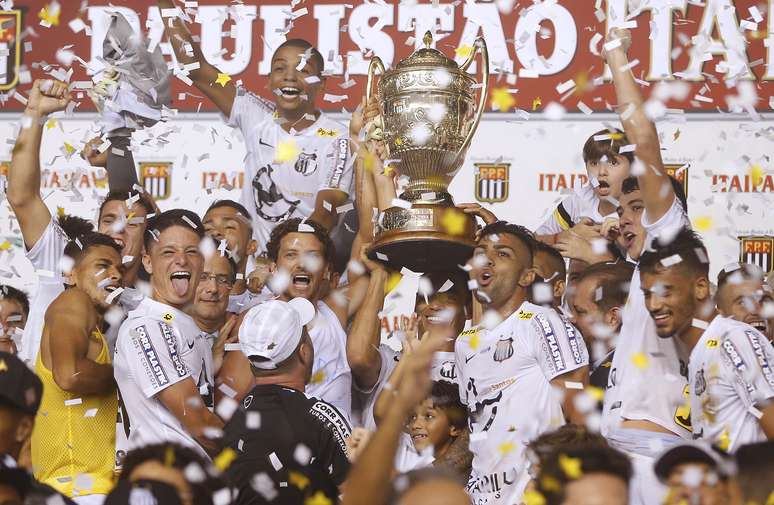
[[91, 154], [475, 209], [47, 96]]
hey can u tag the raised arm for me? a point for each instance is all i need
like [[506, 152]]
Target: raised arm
[[189, 51], [46, 96], [654, 183], [182, 399], [69, 321]]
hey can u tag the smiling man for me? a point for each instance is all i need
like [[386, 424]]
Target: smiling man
[[297, 157], [744, 295], [163, 363], [509, 366], [74, 436]]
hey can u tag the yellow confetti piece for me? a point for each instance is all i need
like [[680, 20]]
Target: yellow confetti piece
[[318, 498], [581, 83], [570, 466], [392, 282], [550, 483], [5, 245], [69, 148], [463, 51], [50, 123], [770, 499], [756, 175], [506, 447], [676, 135], [286, 151], [616, 136], [222, 79], [298, 479], [640, 360], [453, 222], [60, 211], [537, 102], [474, 341], [502, 100], [223, 460], [597, 393], [317, 377], [50, 14], [169, 456], [532, 497], [724, 441], [702, 223]]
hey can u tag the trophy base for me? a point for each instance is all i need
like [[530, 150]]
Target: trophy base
[[424, 238]]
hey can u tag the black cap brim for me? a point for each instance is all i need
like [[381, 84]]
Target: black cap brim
[[683, 454]]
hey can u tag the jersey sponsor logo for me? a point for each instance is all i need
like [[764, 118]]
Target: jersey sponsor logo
[[525, 315], [306, 163], [760, 355], [492, 482], [503, 349], [712, 343], [680, 172], [342, 154], [159, 376], [492, 182], [733, 355], [171, 341], [10, 57], [553, 345], [757, 250], [572, 336], [167, 317], [322, 132], [156, 178], [333, 420], [270, 204], [682, 415]]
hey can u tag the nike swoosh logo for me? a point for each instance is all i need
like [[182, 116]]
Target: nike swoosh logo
[[190, 344], [261, 142], [470, 358]]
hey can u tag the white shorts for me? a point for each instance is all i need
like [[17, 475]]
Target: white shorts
[[90, 499]]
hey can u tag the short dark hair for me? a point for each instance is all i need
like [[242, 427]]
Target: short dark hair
[[459, 289], [179, 457], [415, 477], [631, 184], [568, 436], [595, 150], [612, 282], [232, 205], [291, 226], [74, 226], [755, 472], [684, 250], [314, 54], [80, 245], [446, 397], [18, 295], [553, 478], [740, 272], [556, 257], [525, 236], [141, 197], [231, 263], [175, 217]]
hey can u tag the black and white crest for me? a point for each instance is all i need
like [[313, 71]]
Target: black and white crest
[[503, 349], [306, 163], [700, 385]]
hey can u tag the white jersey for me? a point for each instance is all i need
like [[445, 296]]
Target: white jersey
[[275, 191], [582, 202], [246, 300], [647, 378], [45, 257], [505, 380], [331, 376], [443, 368], [731, 376], [159, 346]]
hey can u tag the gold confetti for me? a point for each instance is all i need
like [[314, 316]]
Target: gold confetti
[[506, 447], [702, 223], [453, 222], [756, 175], [463, 51], [770, 499], [298, 479], [224, 459], [5, 245], [676, 135], [474, 341], [317, 377], [169, 456], [50, 14], [222, 79], [532, 497], [570, 466], [597, 393], [60, 211], [640, 360], [616, 136], [50, 123], [724, 441], [550, 483], [70, 149], [392, 281], [286, 151], [502, 100], [537, 102], [318, 498]]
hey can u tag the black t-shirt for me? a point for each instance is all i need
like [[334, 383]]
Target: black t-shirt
[[292, 428]]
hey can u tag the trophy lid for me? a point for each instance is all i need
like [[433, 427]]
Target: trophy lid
[[427, 56]]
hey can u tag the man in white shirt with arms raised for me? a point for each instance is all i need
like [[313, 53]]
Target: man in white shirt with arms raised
[[163, 364], [519, 374]]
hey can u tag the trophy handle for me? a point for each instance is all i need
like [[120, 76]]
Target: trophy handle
[[376, 64], [480, 44]]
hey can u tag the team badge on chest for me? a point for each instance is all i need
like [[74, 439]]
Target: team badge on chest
[[306, 163], [503, 349]]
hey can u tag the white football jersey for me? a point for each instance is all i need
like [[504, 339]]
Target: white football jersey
[[504, 375], [730, 373], [582, 202], [331, 376], [278, 190], [647, 378], [158, 346]]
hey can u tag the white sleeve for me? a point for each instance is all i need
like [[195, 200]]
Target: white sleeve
[[667, 226], [748, 358], [153, 355], [557, 344], [338, 174], [47, 252], [248, 110]]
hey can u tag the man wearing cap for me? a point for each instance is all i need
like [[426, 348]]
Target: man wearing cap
[[695, 473], [20, 394], [277, 425]]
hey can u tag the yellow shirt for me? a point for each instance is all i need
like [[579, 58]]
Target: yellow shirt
[[73, 443]]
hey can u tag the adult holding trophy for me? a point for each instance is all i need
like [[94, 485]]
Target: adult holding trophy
[[429, 115]]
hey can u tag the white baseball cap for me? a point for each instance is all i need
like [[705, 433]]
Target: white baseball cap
[[272, 330]]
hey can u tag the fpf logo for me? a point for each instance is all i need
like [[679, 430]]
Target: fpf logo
[[492, 182], [156, 178], [757, 250], [680, 172], [10, 55]]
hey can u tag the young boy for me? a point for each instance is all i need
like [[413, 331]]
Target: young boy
[[607, 167], [297, 157]]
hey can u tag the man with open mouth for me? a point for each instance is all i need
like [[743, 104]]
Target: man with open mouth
[[744, 295], [163, 363]]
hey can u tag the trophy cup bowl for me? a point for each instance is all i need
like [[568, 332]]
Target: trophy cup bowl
[[429, 116]]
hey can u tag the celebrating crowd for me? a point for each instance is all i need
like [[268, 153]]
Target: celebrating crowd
[[237, 357]]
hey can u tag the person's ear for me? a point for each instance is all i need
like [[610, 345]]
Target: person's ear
[[527, 277], [273, 267], [559, 288], [24, 429], [252, 247], [454, 431], [146, 263], [612, 317], [701, 288]]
